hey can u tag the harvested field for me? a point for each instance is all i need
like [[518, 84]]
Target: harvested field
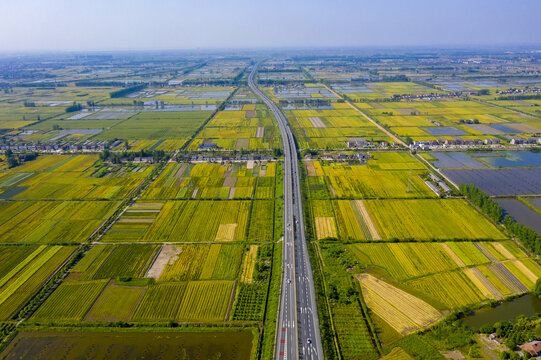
[[481, 282], [526, 271], [230, 182], [368, 220], [242, 144], [523, 127], [485, 252], [168, 253], [452, 255], [503, 250], [403, 311], [507, 278], [260, 132], [180, 171], [226, 232], [325, 227], [316, 122], [249, 264], [310, 167]]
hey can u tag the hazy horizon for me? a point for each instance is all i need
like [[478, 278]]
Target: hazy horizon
[[62, 25]]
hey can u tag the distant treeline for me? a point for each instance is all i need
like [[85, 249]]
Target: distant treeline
[[74, 107], [521, 97], [126, 91], [285, 82], [43, 85], [529, 237], [99, 83], [279, 71]]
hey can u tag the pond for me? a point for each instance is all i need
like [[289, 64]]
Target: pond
[[526, 305]]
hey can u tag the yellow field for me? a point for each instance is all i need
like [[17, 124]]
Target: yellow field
[[368, 220], [249, 264], [453, 255], [325, 227], [481, 282], [403, 312], [226, 232], [397, 354], [503, 250]]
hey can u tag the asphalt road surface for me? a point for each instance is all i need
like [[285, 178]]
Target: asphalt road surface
[[297, 333]]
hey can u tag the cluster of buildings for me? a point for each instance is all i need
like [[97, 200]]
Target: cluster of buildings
[[437, 185], [435, 144], [514, 91], [226, 159], [359, 144], [431, 96], [340, 157]]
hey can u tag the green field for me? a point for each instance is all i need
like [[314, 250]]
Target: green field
[[23, 272]]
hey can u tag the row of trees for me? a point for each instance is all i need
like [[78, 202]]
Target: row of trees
[[116, 158], [529, 237], [481, 199]]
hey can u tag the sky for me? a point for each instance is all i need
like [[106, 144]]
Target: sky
[[73, 25]]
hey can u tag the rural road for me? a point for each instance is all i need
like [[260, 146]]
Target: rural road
[[297, 332]]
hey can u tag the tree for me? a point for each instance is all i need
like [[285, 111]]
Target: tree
[[537, 290]]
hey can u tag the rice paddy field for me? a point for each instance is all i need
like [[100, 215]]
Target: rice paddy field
[[23, 271], [163, 118], [184, 221], [410, 257], [71, 177], [377, 91], [407, 287], [160, 283], [182, 259], [240, 127], [214, 181], [331, 128], [101, 343], [430, 219], [385, 175], [452, 119]]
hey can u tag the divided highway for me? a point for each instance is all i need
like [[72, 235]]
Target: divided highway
[[297, 333]]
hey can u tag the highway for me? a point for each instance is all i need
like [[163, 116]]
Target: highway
[[297, 332]]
